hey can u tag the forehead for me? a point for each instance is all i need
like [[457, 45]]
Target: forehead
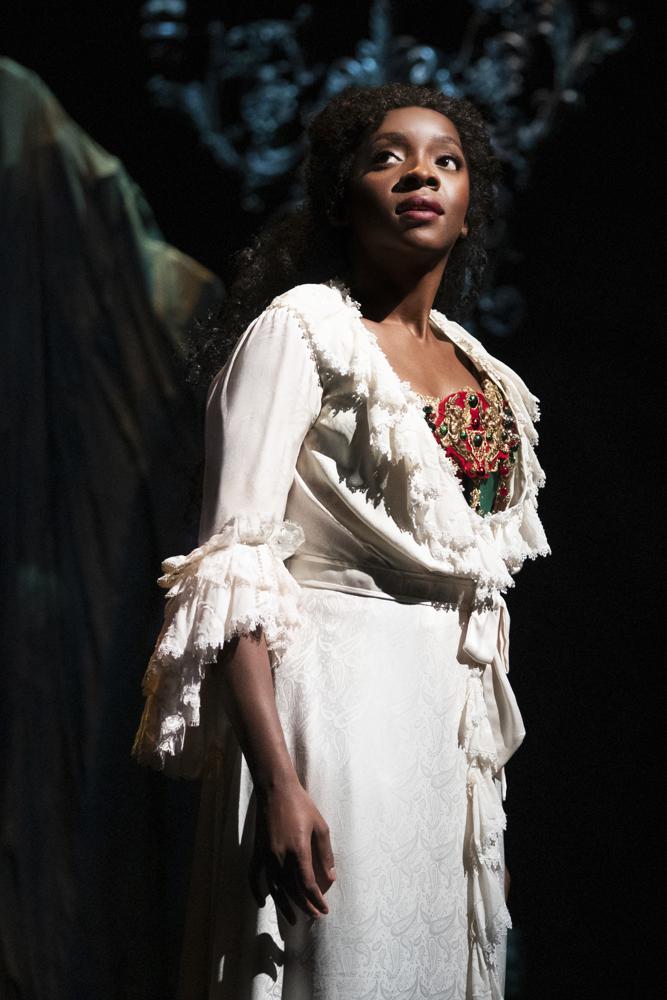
[[417, 124]]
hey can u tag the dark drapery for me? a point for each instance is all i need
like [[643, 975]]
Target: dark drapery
[[582, 840], [102, 442]]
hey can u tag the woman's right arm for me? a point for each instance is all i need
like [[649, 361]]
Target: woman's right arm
[[234, 607], [288, 821]]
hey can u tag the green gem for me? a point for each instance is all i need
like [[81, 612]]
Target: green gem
[[489, 436], [473, 400], [477, 440], [463, 435]]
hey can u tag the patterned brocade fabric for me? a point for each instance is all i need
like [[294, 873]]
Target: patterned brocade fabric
[[478, 431], [334, 478]]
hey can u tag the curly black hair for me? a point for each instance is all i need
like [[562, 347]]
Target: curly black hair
[[306, 245]]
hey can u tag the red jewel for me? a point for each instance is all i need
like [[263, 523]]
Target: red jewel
[[475, 423], [503, 491], [504, 471]]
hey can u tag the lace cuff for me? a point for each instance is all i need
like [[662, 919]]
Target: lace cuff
[[229, 586]]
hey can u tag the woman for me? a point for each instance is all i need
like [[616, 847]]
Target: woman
[[334, 654]]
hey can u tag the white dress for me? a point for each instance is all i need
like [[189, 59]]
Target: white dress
[[332, 518]]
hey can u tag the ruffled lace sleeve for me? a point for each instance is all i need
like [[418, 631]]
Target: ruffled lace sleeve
[[259, 410]]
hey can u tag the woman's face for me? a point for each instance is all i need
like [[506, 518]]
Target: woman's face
[[414, 153]]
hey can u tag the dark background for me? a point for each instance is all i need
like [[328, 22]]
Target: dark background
[[582, 660]]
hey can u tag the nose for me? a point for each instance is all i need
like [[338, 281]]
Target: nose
[[417, 176]]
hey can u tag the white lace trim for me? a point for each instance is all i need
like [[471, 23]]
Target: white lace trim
[[229, 586], [486, 549], [517, 531], [488, 916]]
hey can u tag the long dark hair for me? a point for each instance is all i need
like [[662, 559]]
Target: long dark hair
[[304, 244]]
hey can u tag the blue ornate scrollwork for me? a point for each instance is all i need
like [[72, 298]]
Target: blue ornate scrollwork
[[523, 62]]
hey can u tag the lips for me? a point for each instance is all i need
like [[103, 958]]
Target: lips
[[419, 204]]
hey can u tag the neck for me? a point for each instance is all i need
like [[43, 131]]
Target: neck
[[394, 293]]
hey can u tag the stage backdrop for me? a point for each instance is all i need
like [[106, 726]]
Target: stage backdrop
[[103, 438]]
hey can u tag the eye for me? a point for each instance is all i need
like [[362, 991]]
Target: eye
[[453, 161], [382, 152]]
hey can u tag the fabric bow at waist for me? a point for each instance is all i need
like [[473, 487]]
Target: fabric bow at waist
[[487, 643], [387, 582], [490, 730], [486, 639]]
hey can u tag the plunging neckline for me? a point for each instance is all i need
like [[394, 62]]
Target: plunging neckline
[[408, 389], [411, 397], [427, 397]]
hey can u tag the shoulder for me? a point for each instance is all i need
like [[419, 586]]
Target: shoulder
[[314, 294], [293, 316], [275, 343], [291, 332], [312, 304], [327, 318]]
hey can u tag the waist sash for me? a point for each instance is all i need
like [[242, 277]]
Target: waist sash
[[486, 638]]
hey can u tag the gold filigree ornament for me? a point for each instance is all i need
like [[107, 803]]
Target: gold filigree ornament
[[478, 431]]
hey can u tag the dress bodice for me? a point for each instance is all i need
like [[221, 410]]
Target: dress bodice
[[321, 472], [352, 460], [478, 432]]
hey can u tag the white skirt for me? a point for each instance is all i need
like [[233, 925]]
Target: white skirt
[[371, 698]]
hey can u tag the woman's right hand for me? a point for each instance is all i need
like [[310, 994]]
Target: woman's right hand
[[292, 845]]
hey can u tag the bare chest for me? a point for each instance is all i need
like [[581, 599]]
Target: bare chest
[[433, 366]]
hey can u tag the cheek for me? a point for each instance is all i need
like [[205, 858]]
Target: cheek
[[464, 197], [458, 195], [366, 202]]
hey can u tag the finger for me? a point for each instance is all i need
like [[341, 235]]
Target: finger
[[307, 881], [323, 858], [282, 902], [299, 897], [281, 881], [289, 878]]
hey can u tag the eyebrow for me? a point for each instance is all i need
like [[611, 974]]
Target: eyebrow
[[402, 138]]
